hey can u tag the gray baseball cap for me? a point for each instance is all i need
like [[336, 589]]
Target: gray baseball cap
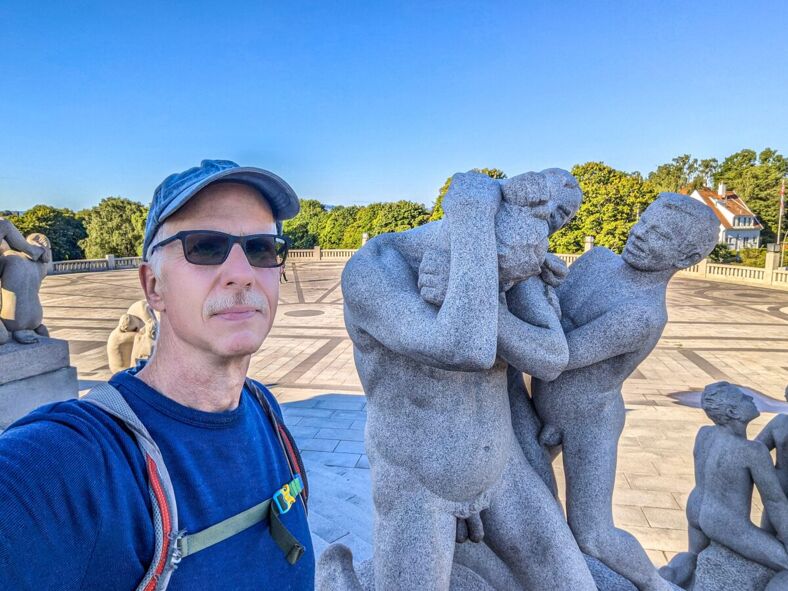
[[178, 188]]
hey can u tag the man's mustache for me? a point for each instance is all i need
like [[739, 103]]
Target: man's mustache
[[245, 299]]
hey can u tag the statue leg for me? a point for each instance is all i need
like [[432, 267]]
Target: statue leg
[[5, 336], [414, 534], [26, 337], [525, 524], [42, 330], [751, 542], [589, 453]]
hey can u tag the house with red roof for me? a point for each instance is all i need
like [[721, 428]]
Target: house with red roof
[[739, 226]]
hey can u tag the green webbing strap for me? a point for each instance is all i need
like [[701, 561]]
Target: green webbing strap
[[231, 526]]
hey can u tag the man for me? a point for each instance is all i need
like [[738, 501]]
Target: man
[[613, 313], [82, 508], [726, 467], [21, 274], [444, 461]]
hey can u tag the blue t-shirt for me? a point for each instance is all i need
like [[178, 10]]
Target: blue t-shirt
[[75, 511]]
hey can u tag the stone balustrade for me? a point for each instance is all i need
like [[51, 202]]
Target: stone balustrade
[[770, 276]]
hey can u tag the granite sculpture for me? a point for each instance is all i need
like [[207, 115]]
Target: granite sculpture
[[722, 538], [133, 338], [22, 269], [775, 437], [613, 311], [445, 464]]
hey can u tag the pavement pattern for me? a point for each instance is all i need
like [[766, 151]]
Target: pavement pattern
[[717, 331]]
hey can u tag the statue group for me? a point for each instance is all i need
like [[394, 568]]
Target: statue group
[[446, 319], [23, 265]]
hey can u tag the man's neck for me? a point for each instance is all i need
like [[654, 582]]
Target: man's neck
[[194, 379]]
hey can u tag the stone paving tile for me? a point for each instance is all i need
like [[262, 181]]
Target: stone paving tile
[[714, 328]]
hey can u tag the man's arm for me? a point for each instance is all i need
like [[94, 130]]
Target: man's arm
[[382, 296], [764, 475], [616, 332], [529, 331]]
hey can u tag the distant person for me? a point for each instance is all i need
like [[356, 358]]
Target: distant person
[[114, 491]]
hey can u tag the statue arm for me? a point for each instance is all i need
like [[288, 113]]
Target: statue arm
[[767, 435], [616, 332], [530, 337], [382, 297], [16, 241], [764, 475]]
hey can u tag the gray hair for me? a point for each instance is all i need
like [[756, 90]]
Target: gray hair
[[154, 257]]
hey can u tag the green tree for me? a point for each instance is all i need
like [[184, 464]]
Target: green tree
[[61, 226], [683, 173], [304, 228], [437, 208], [334, 225], [756, 178], [397, 216], [612, 203], [363, 222], [115, 226]]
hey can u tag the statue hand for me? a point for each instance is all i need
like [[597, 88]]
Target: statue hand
[[554, 270], [470, 194], [434, 276]]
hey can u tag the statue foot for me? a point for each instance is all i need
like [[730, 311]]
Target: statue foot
[[42, 330], [335, 570], [26, 337], [5, 336]]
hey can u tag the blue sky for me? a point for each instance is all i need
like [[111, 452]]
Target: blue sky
[[359, 101]]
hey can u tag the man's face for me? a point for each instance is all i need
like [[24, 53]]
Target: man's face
[[658, 241], [225, 310], [746, 409]]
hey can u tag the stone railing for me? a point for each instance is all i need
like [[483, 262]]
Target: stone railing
[[770, 276]]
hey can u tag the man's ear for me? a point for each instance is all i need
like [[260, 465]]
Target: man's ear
[[689, 260], [152, 287], [733, 413]]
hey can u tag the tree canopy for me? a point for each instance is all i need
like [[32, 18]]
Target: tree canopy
[[612, 202], [684, 172], [61, 226], [115, 226], [304, 228]]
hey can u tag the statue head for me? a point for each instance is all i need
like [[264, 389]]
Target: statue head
[[563, 199], [724, 403], [675, 232], [41, 240]]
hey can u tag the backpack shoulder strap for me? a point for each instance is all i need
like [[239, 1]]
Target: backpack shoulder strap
[[286, 439], [165, 514]]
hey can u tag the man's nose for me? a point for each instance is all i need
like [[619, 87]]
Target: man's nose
[[236, 270]]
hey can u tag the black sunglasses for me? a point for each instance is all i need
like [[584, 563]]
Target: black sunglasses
[[207, 247]]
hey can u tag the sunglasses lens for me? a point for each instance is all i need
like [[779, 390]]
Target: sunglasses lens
[[206, 249], [266, 251]]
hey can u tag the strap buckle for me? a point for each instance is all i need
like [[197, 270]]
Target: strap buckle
[[285, 497]]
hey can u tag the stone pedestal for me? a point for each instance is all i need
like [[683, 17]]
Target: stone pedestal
[[721, 569], [32, 375]]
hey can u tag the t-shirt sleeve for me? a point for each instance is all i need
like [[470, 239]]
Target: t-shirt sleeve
[[50, 472]]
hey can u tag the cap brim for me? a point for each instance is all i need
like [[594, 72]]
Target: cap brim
[[279, 195]]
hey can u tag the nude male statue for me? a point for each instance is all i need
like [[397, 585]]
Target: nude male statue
[[775, 436], [726, 467], [613, 313], [21, 274], [443, 457]]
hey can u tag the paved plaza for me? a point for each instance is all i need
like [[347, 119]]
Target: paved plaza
[[716, 332]]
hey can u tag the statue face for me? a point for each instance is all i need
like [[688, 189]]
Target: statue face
[[221, 310], [564, 197], [660, 240], [746, 409]]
